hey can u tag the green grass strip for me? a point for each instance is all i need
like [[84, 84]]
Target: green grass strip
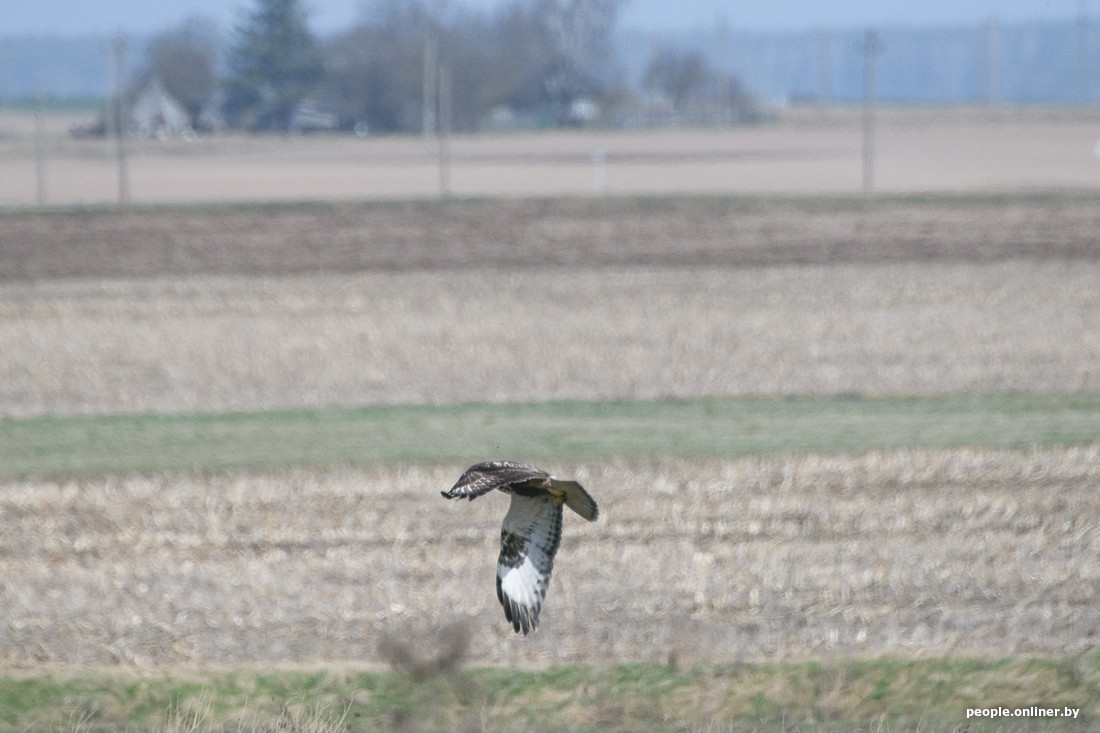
[[884, 694], [88, 446]]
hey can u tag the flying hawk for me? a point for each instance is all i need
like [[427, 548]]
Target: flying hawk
[[531, 531]]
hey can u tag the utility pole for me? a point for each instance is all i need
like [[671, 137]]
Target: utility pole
[[431, 71], [8, 58], [444, 132], [723, 100], [993, 61], [824, 66], [1084, 70], [871, 47], [40, 196], [121, 115]]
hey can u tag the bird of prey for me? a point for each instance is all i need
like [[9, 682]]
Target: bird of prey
[[531, 532]]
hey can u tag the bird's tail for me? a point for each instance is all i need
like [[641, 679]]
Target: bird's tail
[[577, 499]]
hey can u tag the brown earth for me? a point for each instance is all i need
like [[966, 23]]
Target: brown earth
[[727, 233], [323, 304]]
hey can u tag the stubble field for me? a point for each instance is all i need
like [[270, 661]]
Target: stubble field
[[775, 558], [207, 310], [785, 556]]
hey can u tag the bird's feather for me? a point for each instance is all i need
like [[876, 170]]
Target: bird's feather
[[531, 532], [576, 498], [529, 540], [484, 477]]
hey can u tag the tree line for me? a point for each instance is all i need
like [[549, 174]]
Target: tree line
[[526, 63]]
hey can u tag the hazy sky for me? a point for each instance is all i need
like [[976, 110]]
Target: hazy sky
[[75, 17]]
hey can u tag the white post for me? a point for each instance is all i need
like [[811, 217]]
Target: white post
[[599, 160]]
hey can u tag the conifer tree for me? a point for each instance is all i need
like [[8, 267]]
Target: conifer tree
[[274, 63]]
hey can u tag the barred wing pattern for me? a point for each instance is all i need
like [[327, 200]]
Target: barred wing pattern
[[531, 533], [528, 541], [484, 477]]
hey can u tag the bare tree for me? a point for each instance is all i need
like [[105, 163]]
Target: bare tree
[[693, 85], [375, 70], [534, 56], [569, 51], [677, 75], [184, 59]]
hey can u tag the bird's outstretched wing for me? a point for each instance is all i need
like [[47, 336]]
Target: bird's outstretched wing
[[528, 541], [484, 477], [531, 533]]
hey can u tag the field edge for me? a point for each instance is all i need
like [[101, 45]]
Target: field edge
[[884, 693], [91, 446]]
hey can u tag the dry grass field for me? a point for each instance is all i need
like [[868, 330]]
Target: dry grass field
[[901, 554], [198, 310], [234, 343], [906, 553]]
